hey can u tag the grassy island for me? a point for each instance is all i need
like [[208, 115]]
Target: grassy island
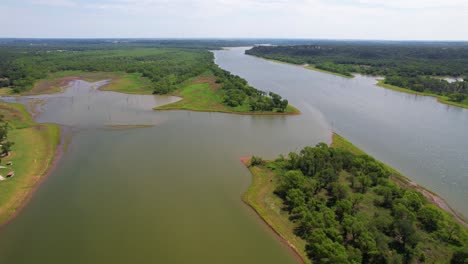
[[338, 205], [31, 157]]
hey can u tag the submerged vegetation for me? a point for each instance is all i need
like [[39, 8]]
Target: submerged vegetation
[[343, 207], [415, 67]]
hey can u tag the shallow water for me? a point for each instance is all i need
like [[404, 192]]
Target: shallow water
[[416, 135]]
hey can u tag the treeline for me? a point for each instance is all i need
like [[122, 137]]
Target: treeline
[[164, 67], [5, 143], [456, 91], [413, 64], [238, 92], [348, 211]]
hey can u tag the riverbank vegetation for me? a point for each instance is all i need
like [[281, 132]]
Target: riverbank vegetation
[[134, 70], [411, 66], [338, 205], [206, 93], [31, 156]]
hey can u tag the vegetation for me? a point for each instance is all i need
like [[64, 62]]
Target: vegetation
[[344, 208], [32, 156], [206, 93], [5, 143], [163, 66], [131, 69], [410, 66]]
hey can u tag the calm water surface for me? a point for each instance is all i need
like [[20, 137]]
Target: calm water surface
[[164, 194], [170, 193], [423, 139]]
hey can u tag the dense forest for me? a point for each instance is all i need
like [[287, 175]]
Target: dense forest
[[348, 210], [167, 68], [410, 66]]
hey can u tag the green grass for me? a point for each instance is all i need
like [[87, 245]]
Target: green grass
[[312, 67], [341, 142], [32, 156], [129, 83], [207, 97], [440, 98], [261, 198], [6, 91], [308, 66]]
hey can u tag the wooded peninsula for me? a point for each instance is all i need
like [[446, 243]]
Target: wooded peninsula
[[338, 205]]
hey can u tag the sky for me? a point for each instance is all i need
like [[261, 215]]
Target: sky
[[317, 19]]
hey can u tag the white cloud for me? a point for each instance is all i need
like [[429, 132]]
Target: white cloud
[[417, 4], [59, 3], [351, 19]]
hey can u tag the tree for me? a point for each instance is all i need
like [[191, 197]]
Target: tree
[[256, 161], [460, 256], [430, 218], [322, 249]]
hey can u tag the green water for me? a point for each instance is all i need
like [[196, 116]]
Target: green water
[[170, 193]]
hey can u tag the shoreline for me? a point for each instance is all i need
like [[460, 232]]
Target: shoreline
[[20, 199], [64, 82], [305, 66], [337, 142], [232, 112], [440, 98], [300, 256], [340, 142]]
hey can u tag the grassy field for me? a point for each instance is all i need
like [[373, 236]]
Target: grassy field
[[203, 94], [260, 197], [440, 98], [32, 155]]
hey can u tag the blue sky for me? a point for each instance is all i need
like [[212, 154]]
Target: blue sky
[[329, 19]]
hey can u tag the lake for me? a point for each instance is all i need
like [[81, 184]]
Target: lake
[[171, 193]]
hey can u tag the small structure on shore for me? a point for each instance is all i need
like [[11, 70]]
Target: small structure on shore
[[10, 174]]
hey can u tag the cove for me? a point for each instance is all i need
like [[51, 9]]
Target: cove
[[166, 193]]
